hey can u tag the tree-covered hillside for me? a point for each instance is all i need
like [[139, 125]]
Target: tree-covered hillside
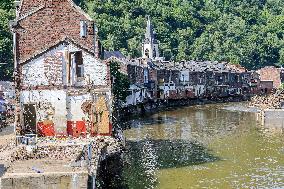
[[248, 32], [6, 53]]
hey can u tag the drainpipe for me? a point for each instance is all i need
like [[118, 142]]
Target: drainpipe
[[16, 81], [95, 41]]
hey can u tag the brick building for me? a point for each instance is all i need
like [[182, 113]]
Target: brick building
[[272, 74], [62, 85]]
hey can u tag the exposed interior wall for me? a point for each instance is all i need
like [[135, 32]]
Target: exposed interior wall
[[50, 105], [51, 68], [62, 109], [74, 107]]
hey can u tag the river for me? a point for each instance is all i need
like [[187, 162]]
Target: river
[[206, 146]]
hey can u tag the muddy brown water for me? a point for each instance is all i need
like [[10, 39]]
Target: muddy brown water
[[208, 146]]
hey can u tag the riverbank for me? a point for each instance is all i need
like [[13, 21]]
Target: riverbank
[[150, 107]]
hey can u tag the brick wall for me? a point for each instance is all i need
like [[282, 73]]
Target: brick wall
[[270, 73], [53, 69]]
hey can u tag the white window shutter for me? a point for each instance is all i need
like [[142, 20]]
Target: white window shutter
[[83, 28]]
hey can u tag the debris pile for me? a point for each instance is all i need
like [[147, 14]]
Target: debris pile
[[73, 150], [66, 153], [272, 101], [50, 152], [7, 147], [108, 144]]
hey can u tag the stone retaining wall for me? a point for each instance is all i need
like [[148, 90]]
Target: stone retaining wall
[[272, 118], [45, 181]]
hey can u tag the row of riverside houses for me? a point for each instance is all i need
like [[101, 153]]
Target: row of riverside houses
[[153, 78]]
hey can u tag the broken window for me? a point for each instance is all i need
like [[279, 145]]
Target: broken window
[[75, 67], [79, 64]]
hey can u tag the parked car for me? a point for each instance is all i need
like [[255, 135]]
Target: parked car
[[3, 114]]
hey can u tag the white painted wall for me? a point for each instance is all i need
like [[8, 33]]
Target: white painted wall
[[95, 70], [149, 47], [74, 107], [33, 73], [57, 99], [156, 48]]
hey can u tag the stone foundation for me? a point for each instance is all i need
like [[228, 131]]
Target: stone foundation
[[76, 180]]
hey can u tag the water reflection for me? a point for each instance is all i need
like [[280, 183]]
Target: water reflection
[[210, 146], [147, 156]]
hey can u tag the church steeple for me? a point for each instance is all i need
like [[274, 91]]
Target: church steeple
[[149, 30], [150, 45]]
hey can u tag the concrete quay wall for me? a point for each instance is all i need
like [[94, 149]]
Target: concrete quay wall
[[76, 180], [272, 118]]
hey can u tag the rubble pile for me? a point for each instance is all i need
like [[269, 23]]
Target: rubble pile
[[9, 144], [50, 152], [272, 101], [7, 147], [109, 144], [66, 150]]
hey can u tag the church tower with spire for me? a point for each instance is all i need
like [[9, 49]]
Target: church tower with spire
[[150, 46]]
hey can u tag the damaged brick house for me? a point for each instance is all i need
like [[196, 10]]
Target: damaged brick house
[[270, 79], [62, 85]]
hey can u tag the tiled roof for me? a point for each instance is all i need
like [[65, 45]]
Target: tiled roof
[[117, 54]]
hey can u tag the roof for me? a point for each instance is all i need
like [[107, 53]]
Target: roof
[[42, 24], [28, 7], [136, 87], [117, 54], [203, 66]]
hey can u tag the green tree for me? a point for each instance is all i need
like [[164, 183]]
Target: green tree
[[246, 32], [120, 82], [6, 44]]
